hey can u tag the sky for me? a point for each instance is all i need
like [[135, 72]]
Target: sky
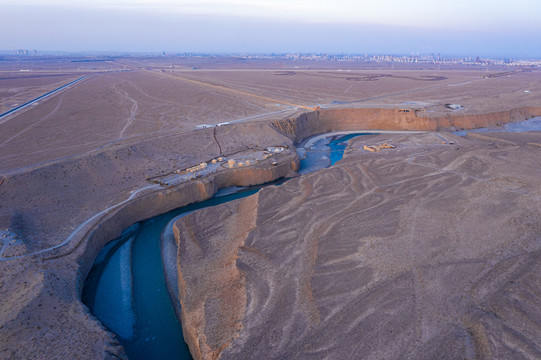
[[506, 28]]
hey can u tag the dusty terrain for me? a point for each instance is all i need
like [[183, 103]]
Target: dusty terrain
[[16, 88], [115, 107], [109, 110], [429, 250], [73, 168], [428, 89]]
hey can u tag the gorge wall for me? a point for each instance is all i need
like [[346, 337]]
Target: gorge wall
[[326, 120]]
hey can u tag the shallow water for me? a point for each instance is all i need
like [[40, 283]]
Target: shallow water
[[339, 144], [126, 287], [324, 152], [533, 124]]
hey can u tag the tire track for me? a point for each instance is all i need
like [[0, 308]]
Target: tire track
[[34, 124], [133, 111]]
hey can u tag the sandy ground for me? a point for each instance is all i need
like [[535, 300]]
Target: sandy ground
[[17, 89], [425, 251], [120, 108], [108, 110], [86, 149]]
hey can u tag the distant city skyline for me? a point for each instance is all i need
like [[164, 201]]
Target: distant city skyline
[[485, 28]]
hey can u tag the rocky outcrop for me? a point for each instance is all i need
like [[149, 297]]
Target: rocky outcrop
[[216, 301], [422, 251]]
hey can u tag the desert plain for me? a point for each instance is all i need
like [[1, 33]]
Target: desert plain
[[427, 250]]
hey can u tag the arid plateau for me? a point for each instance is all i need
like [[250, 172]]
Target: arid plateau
[[429, 248]]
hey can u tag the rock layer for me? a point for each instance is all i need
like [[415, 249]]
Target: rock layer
[[217, 300], [430, 250], [326, 120]]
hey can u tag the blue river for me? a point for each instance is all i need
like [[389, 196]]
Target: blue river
[[126, 287]]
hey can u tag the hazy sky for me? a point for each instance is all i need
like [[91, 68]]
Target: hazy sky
[[473, 27]]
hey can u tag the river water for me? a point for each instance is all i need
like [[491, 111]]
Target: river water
[[126, 287]]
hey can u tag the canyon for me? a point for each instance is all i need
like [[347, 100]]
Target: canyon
[[74, 173]]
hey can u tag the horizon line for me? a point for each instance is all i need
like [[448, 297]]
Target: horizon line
[[270, 53]]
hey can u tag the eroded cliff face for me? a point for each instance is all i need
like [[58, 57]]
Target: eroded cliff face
[[326, 120], [41, 199], [427, 249], [215, 302]]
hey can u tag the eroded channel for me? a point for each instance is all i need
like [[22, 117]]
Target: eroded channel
[[126, 288]]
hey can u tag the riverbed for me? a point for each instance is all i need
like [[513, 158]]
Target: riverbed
[[126, 289]]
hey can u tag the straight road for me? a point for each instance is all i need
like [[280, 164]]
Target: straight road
[[3, 115]]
